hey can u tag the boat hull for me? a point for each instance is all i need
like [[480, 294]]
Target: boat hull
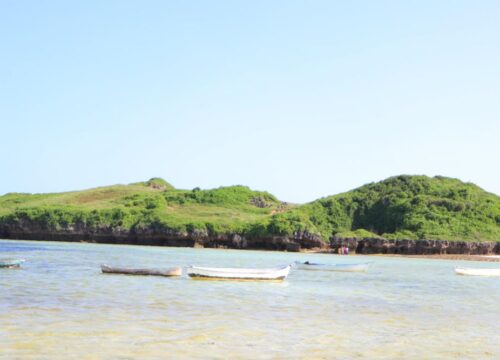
[[477, 272], [196, 272], [10, 263], [335, 267], [176, 271]]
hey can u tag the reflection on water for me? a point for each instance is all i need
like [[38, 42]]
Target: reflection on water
[[59, 306]]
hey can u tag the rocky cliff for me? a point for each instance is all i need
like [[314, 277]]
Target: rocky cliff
[[162, 237], [415, 247], [299, 241]]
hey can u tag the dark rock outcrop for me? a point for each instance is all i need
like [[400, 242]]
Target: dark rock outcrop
[[161, 237], [415, 247], [300, 240]]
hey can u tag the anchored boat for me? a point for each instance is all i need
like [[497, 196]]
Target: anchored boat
[[477, 271], [175, 271], [238, 273], [10, 263], [333, 267]]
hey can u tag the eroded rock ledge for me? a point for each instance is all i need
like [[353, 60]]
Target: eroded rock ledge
[[416, 247], [302, 240], [299, 241]]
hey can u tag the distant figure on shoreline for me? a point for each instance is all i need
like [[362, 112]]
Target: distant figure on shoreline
[[343, 250]]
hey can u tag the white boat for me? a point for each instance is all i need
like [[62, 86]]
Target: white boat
[[238, 273], [362, 267], [478, 271]]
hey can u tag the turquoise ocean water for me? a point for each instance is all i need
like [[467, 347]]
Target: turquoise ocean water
[[60, 306]]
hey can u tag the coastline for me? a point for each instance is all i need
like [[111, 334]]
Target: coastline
[[479, 251], [466, 257], [485, 258]]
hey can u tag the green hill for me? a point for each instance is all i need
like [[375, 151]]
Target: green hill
[[409, 207], [141, 205], [402, 207]]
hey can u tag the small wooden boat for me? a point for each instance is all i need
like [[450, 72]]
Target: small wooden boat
[[175, 271], [333, 267], [478, 271], [238, 273], [10, 263]]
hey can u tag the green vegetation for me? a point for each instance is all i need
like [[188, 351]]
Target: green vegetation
[[409, 207], [359, 234], [151, 204], [405, 207]]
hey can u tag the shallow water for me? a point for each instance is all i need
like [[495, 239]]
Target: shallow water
[[59, 306]]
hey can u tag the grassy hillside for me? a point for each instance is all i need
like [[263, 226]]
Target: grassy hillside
[[410, 207], [142, 205]]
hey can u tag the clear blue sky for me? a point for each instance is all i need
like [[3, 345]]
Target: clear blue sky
[[301, 98]]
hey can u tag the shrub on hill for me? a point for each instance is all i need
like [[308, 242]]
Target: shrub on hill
[[156, 183], [227, 196]]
